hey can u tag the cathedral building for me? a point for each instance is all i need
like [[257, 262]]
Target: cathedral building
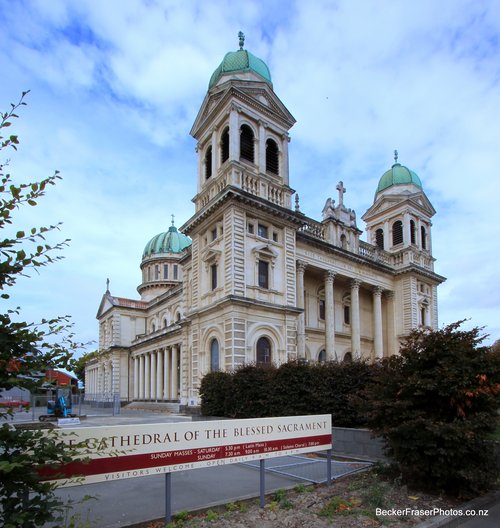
[[249, 278]]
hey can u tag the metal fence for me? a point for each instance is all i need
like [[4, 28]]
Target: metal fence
[[82, 404]]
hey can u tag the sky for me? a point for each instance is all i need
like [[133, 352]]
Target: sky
[[115, 87]]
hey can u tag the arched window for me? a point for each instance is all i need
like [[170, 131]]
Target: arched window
[[379, 238], [322, 356], [224, 146], [423, 236], [208, 163], [348, 357], [343, 241], [246, 143], [413, 236], [263, 351], [214, 355], [397, 233], [272, 157]]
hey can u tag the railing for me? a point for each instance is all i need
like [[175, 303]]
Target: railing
[[313, 228], [368, 251], [374, 253]]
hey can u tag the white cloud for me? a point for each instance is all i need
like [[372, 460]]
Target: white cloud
[[116, 86]]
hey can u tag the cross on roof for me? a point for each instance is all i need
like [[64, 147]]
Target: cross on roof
[[340, 187]]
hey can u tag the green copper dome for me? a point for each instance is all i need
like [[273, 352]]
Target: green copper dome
[[170, 242], [398, 175], [240, 61]]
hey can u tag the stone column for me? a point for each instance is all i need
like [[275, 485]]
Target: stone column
[[141, 376], [166, 371], [173, 374], [215, 153], [301, 326], [284, 158], [391, 325], [262, 147], [136, 378], [147, 376], [329, 316], [153, 376], [355, 320], [377, 322], [159, 375], [406, 229], [387, 235], [234, 134]]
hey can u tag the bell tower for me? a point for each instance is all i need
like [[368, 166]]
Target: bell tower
[[399, 225], [242, 132]]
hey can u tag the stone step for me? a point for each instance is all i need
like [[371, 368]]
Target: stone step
[[170, 407]]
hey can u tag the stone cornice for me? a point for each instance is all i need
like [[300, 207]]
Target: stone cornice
[[235, 193], [244, 302], [413, 268], [342, 253]]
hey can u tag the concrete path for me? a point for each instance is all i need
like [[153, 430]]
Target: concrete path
[[491, 521], [125, 502], [134, 500]]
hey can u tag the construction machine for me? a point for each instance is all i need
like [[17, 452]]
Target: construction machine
[[59, 405]]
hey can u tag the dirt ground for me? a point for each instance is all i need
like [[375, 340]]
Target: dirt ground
[[349, 502]]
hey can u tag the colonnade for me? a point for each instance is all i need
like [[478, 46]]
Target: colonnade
[[157, 374], [99, 380], [355, 284]]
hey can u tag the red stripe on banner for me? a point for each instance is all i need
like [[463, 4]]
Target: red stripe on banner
[[113, 464]]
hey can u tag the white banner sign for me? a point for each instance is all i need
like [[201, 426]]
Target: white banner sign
[[118, 452]]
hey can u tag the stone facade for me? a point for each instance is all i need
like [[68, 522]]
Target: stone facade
[[259, 281]]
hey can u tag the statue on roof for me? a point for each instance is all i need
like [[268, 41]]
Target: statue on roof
[[329, 209]]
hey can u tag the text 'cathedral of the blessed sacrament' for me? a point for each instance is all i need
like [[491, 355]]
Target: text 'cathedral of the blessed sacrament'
[[249, 278]]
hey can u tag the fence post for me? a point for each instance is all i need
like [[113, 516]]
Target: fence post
[[116, 404]]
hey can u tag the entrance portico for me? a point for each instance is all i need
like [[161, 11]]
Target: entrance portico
[[157, 374]]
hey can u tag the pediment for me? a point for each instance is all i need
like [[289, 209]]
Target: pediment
[[388, 202], [211, 254], [105, 305], [265, 250], [259, 96]]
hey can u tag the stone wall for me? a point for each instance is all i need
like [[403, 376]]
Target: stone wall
[[357, 443]]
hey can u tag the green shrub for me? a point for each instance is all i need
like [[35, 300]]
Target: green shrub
[[214, 390], [435, 404], [251, 392], [293, 388], [339, 385]]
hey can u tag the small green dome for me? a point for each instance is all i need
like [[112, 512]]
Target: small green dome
[[240, 61], [398, 175], [170, 242]]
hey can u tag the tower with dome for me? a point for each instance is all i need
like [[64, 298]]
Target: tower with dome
[[249, 278]]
